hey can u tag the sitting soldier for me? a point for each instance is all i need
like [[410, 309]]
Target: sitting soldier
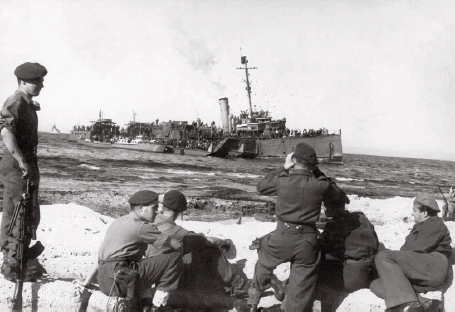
[[348, 244], [205, 258], [122, 270], [421, 265]]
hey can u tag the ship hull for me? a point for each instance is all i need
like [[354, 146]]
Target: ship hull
[[145, 147], [328, 148]]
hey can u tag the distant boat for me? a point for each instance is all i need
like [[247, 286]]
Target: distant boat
[[54, 129]]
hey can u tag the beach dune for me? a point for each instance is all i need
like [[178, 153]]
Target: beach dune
[[72, 234]]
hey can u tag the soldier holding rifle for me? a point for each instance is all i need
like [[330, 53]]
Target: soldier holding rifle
[[300, 193], [19, 169]]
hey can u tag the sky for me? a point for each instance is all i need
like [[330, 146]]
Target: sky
[[382, 71]]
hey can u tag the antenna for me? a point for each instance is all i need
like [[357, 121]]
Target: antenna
[[244, 61]]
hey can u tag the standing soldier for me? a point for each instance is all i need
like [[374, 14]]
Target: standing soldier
[[300, 193], [448, 209], [19, 130]]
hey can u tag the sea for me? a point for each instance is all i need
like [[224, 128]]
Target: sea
[[67, 166]]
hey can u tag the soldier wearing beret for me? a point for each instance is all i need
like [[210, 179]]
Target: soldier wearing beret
[[421, 264], [122, 270], [300, 188], [206, 258], [19, 130]]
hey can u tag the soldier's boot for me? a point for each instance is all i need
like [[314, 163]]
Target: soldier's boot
[[254, 296], [34, 271], [278, 288], [10, 266]]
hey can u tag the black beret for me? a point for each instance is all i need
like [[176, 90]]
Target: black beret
[[427, 201], [175, 201], [30, 71], [143, 198], [305, 152]]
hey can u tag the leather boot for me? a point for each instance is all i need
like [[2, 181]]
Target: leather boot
[[278, 288]]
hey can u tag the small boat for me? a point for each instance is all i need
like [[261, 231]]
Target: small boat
[[103, 134]]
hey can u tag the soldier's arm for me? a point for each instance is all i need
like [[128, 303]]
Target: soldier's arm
[[268, 185], [11, 144]]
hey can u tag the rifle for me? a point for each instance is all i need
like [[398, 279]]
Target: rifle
[[25, 232], [256, 244], [445, 200]]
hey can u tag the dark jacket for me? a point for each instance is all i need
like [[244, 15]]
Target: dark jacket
[[299, 194], [349, 235], [428, 236]]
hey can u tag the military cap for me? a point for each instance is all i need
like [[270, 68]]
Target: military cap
[[175, 201], [30, 71], [427, 201], [143, 198], [305, 152]]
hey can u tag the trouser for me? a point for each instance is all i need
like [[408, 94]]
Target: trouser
[[164, 270], [348, 276], [402, 274], [298, 246], [209, 269], [14, 186]]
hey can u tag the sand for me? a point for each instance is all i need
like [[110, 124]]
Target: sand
[[72, 234]]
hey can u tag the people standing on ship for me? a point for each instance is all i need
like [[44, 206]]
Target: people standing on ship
[[300, 188], [19, 130], [421, 264]]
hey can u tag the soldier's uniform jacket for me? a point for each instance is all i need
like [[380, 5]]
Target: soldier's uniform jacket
[[299, 194], [349, 235], [429, 236], [18, 115], [190, 240], [128, 238]]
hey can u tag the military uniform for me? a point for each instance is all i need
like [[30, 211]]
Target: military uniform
[[122, 251], [295, 239], [421, 264], [18, 116], [206, 266], [348, 244]]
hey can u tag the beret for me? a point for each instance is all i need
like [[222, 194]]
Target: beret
[[175, 201], [30, 71], [305, 152], [143, 198], [427, 201]]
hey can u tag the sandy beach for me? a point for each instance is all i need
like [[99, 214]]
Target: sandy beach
[[72, 234]]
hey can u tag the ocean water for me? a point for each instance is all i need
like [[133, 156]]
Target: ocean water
[[68, 167]]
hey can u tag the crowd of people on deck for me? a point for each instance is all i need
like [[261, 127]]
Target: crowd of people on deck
[[145, 254], [181, 134]]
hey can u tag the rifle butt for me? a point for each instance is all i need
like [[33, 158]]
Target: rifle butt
[[16, 302]]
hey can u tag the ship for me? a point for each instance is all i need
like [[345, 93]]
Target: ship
[[104, 133], [54, 129], [255, 134]]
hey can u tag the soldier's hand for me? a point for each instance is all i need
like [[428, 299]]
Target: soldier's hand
[[289, 161], [25, 168], [176, 245]]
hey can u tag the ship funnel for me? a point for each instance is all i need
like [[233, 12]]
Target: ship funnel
[[224, 109]]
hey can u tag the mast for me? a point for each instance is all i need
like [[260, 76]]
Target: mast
[[244, 61]]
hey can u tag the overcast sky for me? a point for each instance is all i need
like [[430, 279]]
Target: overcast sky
[[382, 71]]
